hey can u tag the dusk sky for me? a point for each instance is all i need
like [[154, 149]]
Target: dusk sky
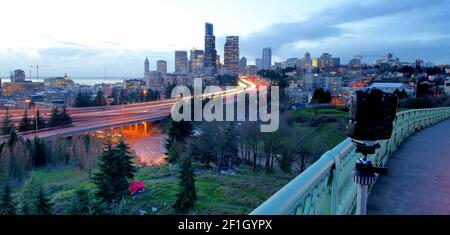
[[83, 37]]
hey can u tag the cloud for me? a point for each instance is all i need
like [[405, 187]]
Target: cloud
[[66, 53], [347, 21]]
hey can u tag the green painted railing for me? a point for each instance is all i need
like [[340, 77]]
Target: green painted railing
[[326, 186]]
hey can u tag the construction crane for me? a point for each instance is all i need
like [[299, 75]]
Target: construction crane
[[37, 66]]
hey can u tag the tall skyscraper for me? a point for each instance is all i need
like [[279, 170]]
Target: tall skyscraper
[[231, 54], [209, 60], [146, 67], [307, 60], [161, 66], [196, 59], [181, 62], [267, 58]]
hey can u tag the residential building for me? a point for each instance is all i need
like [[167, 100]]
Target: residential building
[[181, 62]]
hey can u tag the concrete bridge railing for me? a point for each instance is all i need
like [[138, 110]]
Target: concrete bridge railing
[[326, 187]]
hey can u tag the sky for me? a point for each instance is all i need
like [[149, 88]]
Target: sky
[[91, 38]]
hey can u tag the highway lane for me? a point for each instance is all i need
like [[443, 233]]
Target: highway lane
[[116, 116]]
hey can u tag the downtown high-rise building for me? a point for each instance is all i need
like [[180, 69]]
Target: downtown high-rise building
[[146, 67], [307, 61], [267, 58], [209, 60], [181, 62], [243, 65], [231, 54], [196, 58], [161, 67]]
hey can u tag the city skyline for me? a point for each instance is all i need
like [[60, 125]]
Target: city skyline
[[67, 46]]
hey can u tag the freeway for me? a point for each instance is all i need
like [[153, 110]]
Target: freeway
[[98, 118]]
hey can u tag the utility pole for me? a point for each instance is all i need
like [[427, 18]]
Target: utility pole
[[36, 121]]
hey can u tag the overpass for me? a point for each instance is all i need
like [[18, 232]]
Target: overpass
[[98, 118], [326, 187]]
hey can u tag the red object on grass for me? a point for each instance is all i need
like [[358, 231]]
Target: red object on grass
[[136, 186]]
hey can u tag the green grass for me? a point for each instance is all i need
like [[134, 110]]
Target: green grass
[[217, 193], [313, 112], [321, 128]]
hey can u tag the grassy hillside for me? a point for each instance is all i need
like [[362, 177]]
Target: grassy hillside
[[321, 129], [217, 193]]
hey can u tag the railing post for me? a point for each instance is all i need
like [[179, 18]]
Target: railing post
[[335, 186], [361, 199]]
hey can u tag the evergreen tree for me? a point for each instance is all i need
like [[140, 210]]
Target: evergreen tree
[[25, 123], [179, 131], [43, 205], [65, 118], [33, 199], [115, 95], [58, 118], [80, 203], [40, 120], [187, 196], [6, 204], [12, 140], [321, 96], [39, 152], [100, 98], [115, 169], [174, 151], [54, 117], [82, 100], [7, 125], [152, 95], [127, 166]]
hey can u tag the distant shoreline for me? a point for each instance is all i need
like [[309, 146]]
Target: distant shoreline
[[85, 80]]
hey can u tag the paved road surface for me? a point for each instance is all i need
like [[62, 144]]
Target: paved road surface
[[419, 176], [96, 118]]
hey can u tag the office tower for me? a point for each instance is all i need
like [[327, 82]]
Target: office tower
[[210, 57], [196, 60], [218, 63], [231, 54], [146, 67], [243, 65], [181, 62], [335, 62], [258, 63], [267, 58], [325, 61], [307, 60], [161, 67]]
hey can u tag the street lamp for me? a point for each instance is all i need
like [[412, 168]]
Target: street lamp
[[36, 120], [27, 103], [145, 95]]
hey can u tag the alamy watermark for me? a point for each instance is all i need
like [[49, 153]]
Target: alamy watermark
[[213, 110]]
